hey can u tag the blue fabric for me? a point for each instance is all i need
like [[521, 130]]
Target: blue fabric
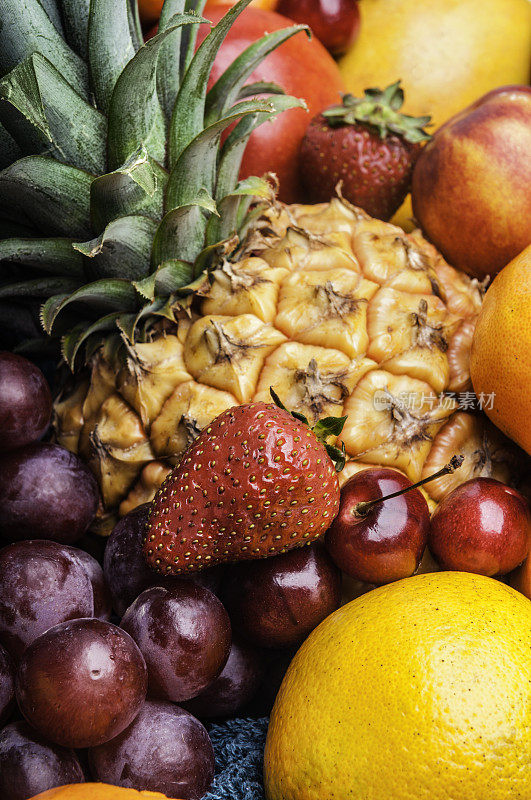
[[239, 750]]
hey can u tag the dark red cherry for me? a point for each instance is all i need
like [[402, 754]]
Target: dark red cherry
[[483, 526], [384, 542], [336, 23], [276, 602]]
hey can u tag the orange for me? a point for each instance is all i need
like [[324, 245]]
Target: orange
[[96, 791], [418, 690], [500, 361]]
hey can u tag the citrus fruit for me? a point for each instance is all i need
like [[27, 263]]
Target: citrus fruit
[[500, 363], [419, 690], [447, 52], [96, 791]]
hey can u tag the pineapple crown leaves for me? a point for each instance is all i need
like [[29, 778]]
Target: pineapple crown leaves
[[323, 430], [118, 189], [381, 110]]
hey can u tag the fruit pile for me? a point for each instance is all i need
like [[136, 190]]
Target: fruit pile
[[274, 410]]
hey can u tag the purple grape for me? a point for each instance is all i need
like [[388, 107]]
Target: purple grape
[[125, 568], [25, 402], [29, 765], [184, 635], [42, 583], [46, 492], [7, 685], [81, 683], [166, 750], [102, 595], [234, 687]]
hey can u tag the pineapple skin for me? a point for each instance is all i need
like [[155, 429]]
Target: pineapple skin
[[341, 314]]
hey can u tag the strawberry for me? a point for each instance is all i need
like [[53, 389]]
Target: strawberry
[[368, 145], [258, 481]]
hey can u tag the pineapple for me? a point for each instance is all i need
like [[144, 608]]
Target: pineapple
[[178, 291]]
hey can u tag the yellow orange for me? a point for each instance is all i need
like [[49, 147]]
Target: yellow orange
[[500, 361], [419, 690]]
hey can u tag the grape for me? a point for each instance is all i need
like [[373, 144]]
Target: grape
[[25, 402], [184, 635], [29, 765], [125, 568], [166, 749], [42, 583], [234, 687], [46, 492], [7, 685], [81, 683], [276, 602], [102, 595]]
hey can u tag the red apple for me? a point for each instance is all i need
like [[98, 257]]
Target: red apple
[[385, 542], [483, 526]]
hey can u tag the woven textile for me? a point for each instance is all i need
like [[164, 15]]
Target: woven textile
[[239, 748]]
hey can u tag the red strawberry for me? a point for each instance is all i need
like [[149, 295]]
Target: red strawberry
[[368, 145], [255, 483]]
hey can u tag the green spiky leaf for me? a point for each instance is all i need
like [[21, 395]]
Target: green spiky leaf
[[227, 88], [168, 66], [136, 118], [53, 197], [27, 29], [101, 297], [74, 339], [75, 14], [189, 109], [180, 236], [56, 256], [9, 149], [45, 115], [137, 187], [123, 250], [52, 9], [39, 287], [196, 167], [110, 46]]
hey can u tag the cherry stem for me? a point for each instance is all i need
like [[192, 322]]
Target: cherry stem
[[364, 507]]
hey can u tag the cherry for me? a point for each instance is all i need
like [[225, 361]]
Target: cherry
[[381, 530], [483, 526], [276, 602], [336, 23], [520, 579], [25, 402]]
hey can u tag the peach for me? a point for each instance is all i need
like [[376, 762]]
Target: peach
[[471, 183]]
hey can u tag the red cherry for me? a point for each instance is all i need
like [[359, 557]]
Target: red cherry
[[336, 23], [386, 541], [482, 526]]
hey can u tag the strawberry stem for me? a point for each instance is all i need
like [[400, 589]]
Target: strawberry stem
[[323, 429], [363, 508]]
